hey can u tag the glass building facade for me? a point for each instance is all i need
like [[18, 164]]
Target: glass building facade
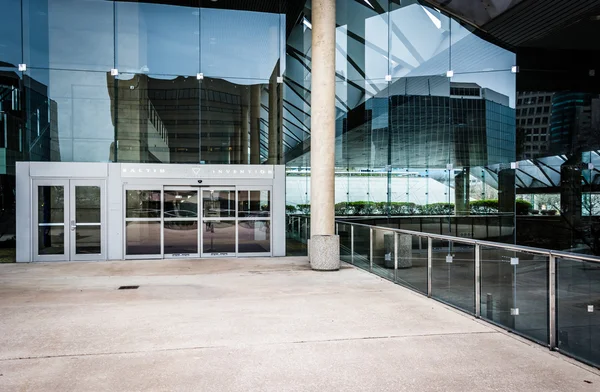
[[427, 110]]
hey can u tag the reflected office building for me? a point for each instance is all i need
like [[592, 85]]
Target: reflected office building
[[156, 129]]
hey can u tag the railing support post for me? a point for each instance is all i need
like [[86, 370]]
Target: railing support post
[[429, 264], [371, 249], [477, 280], [352, 244], [395, 257], [552, 302]]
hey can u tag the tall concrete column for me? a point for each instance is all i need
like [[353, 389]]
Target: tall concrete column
[[324, 244], [244, 137], [255, 124]]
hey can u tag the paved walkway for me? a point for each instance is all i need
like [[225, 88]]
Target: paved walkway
[[251, 325]]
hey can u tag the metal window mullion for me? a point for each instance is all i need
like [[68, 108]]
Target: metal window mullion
[[552, 302]]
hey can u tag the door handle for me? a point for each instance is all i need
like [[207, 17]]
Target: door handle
[[73, 225]]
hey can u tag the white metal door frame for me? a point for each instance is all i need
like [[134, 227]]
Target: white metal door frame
[[269, 219], [167, 188], [204, 220], [36, 184], [73, 224], [69, 225]]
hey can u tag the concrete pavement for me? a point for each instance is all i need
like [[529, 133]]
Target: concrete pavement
[[251, 325]]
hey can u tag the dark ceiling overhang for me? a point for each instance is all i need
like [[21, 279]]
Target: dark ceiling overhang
[[563, 24]]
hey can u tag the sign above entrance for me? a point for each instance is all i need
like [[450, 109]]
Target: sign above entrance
[[140, 170]]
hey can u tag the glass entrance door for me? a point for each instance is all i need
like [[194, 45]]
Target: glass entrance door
[[181, 222], [219, 229], [69, 220]]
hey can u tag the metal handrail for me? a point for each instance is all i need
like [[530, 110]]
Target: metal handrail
[[299, 224], [518, 248]]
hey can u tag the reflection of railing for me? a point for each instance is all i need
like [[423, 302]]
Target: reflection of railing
[[550, 297], [154, 118]]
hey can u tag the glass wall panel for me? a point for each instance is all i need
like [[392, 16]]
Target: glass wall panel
[[69, 116], [11, 52], [419, 40], [254, 236], [471, 53], [68, 34], [157, 118], [158, 38], [241, 43]]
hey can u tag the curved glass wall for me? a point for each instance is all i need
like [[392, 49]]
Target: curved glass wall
[[425, 121], [429, 121]]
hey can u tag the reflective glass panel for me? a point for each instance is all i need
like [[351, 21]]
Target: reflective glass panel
[[240, 120], [181, 237], [158, 118], [158, 38], [383, 253], [218, 204], [87, 204], [254, 203], [254, 236], [88, 240], [69, 115], [10, 33], [143, 238], [412, 262], [218, 237], [578, 308], [514, 291], [51, 240], [453, 274], [240, 44], [69, 34], [51, 204], [142, 204], [180, 204]]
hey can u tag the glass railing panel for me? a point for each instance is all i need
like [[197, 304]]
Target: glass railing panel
[[453, 274], [578, 309], [362, 247], [304, 233], [412, 262], [514, 291], [345, 232], [383, 253]]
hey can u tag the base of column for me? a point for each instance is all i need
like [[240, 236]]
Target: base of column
[[325, 251], [308, 249]]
